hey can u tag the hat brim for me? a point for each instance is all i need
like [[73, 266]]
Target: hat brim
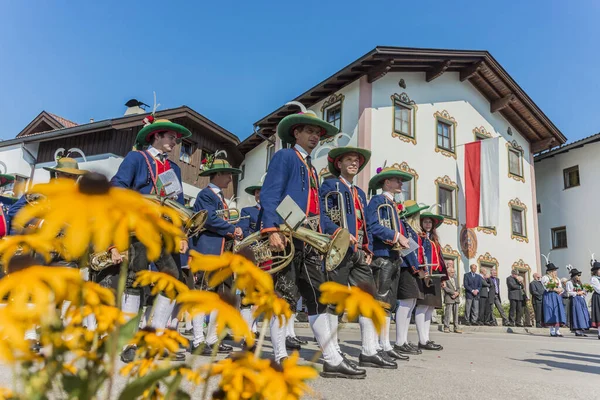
[[251, 189], [6, 179], [336, 154], [376, 182], [143, 137], [551, 267], [407, 213], [286, 127], [437, 219], [213, 171], [71, 171]]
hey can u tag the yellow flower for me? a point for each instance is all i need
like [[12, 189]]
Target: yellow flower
[[248, 276], [190, 375], [151, 342], [153, 394], [242, 376], [95, 295], [12, 336], [268, 304], [162, 283], [139, 367], [196, 301], [93, 212], [24, 244], [290, 383], [6, 394], [354, 301]]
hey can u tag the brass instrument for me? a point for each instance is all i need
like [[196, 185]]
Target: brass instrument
[[193, 223], [390, 222], [334, 247], [103, 259], [34, 198], [337, 214], [231, 215]]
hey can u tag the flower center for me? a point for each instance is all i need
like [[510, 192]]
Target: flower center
[[93, 183]]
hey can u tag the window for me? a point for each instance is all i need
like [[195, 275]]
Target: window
[[514, 162], [402, 119], [445, 136], [186, 151], [446, 201], [571, 177], [270, 152], [518, 228], [333, 115], [243, 173], [539, 208], [487, 265], [559, 238]]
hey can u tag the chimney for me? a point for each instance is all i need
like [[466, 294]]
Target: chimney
[[135, 107], [91, 120]]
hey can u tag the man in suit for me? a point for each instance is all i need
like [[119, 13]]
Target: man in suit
[[537, 294], [472, 282], [515, 296], [451, 299], [497, 301], [484, 313]]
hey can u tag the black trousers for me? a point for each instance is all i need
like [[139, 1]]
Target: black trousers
[[538, 311], [353, 271], [386, 272], [302, 277], [485, 310], [516, 307]]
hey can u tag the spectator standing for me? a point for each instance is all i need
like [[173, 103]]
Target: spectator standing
[[472, 282], [451, 298], [515, 296], [536, 289]]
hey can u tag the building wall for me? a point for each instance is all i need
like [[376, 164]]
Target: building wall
[[470, 110], [254, 165], [572, 208]]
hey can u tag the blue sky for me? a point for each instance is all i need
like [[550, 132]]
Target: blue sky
[[234, 62]]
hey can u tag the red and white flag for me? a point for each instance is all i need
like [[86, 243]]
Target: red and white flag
[[482, 182]]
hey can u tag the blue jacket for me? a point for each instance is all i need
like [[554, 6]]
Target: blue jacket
[[471, 283], [212, 240], [329, 227], [411, 260], [133, 173], [249, 225], [382, 236], [287, 175], [431, 252], [12, 211]]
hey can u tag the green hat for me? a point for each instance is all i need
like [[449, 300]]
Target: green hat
[[437, 219], [66, 165], [251, 189], [5, 179], [211, 165], [285, 129], [411, 207], [376, 182], [153, 126], [336, 154]]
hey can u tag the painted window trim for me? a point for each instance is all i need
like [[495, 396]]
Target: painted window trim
[[489, 260], [481, 133], [450, 253], [445, 117], [488, 230], [521, 266], [514, 146], [403, 166], [403, 100], [447, 183], [516, 204], [333, 101]]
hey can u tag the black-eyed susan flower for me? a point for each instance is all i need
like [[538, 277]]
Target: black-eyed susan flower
[[188, 374], [12, 334], [151, 342], [197, 301], [24, 244], [354, 301], [248, 277], [269, 304], [161, 282], [289, 382], [243, 376], [93, 212], [6, 394], [139, 367]]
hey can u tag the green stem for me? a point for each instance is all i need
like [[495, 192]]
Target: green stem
[[261, 338], [213, 357]]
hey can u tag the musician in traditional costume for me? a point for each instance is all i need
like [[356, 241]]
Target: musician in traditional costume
[[148, 170], [217, 237], [580, 316], [291, 173], [430, 255], [389, 236], [345, 205], [5, 179], [553, 309], [595, 304]]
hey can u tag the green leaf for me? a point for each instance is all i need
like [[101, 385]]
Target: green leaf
[[73, 385], [136, 388], [126, 333], [181, 395], [173, 386]]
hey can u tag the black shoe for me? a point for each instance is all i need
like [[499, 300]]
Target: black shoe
[[538, 326], [431, 342], [281, 360], [385, 355], [188, 332], [430, 346], [467, 323], [479, 323], [245, 347], [414, 346], [376, 361], [300, 341], [291, 344], [344, 370], [223, 348], [406, 349], [228, 337], [350, 362], [396, 355], [206, 349], [128, 354], [519, 325]]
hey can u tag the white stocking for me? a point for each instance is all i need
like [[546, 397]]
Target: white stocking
[[333, 325], [211, 331], [420, 322], [322, 330], [290, 332], [368, 336], [384, 336], [403, 312], [198, 329], [278, 338]]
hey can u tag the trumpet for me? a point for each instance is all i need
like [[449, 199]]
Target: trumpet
[[334, 247], [231, 215], [389, 222], [193, 223], [337, 214]]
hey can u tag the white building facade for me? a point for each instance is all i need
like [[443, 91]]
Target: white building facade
[[422, 126], [566, 194]]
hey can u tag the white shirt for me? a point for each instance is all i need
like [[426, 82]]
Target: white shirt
[[216, 190], [546, 279], [348, 183], [570, 289], [154, 152], [301, 150], [595, 282]]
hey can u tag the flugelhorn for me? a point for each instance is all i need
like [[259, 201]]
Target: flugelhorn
[[337, 214], [334, 247], [389, 222], [192, 222]]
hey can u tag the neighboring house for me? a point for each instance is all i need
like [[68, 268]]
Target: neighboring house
[[106, 142], [417, 108], [567, 191]]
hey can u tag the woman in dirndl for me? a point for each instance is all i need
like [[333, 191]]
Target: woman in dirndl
[[580, 317], [595, 283], [552, 305]]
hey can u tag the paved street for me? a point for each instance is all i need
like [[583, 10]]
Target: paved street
[[474, 365]]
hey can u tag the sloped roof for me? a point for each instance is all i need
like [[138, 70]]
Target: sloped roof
[[46, 122], [567, 147], [63, 121]]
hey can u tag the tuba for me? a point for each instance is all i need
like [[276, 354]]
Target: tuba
[[389, 222], [192, 222], [337, 214], [334, 247], [102, 260]]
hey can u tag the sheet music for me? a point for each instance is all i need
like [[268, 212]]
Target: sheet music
[[412, 246], [170, 183]]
